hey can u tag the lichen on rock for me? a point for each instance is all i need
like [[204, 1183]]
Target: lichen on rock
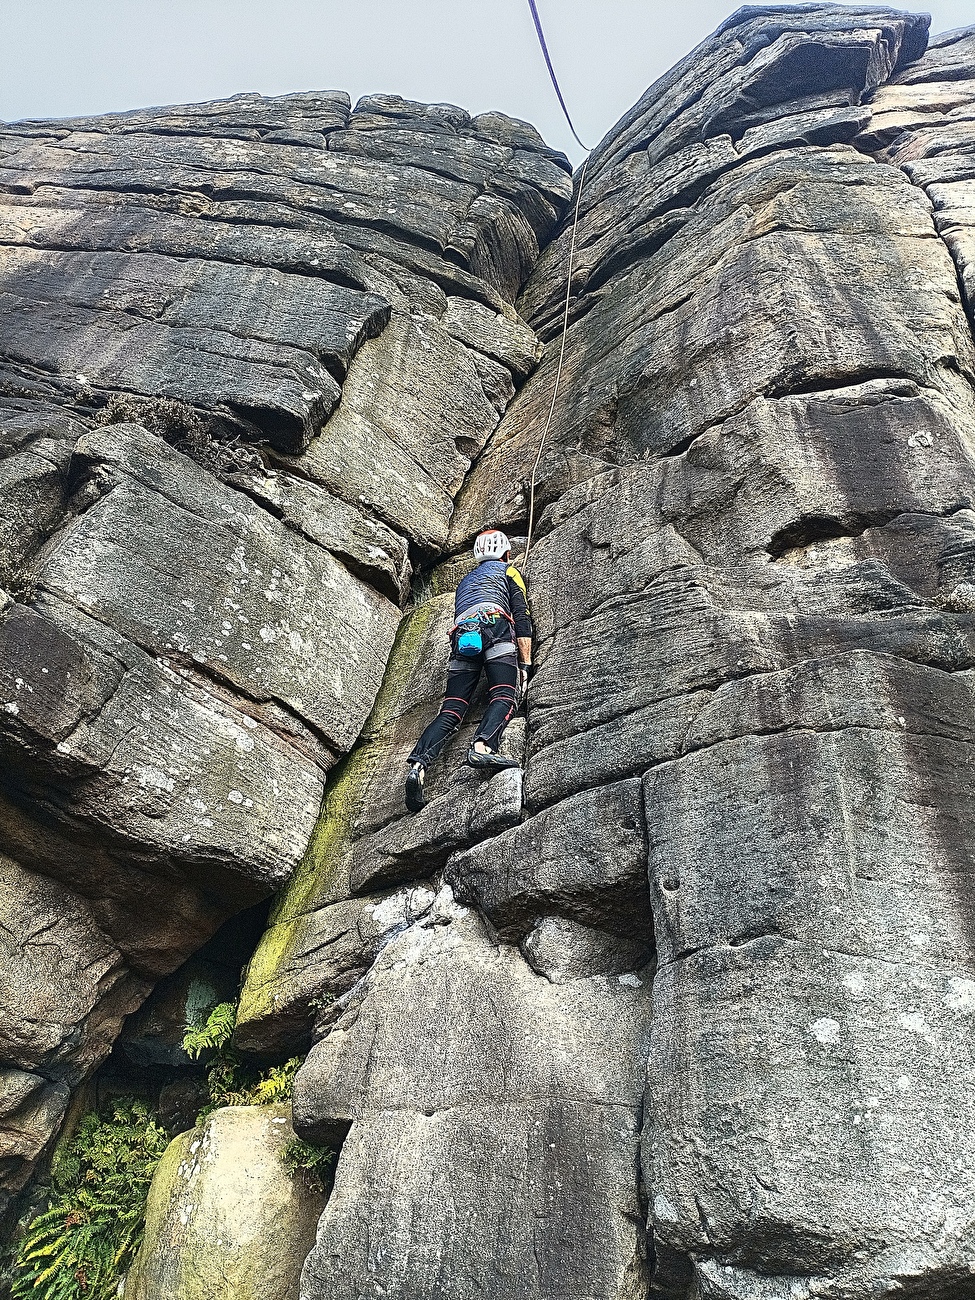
[[225, 1215]]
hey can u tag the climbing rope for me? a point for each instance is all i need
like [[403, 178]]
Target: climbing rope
[[551, 71], [568, 282]]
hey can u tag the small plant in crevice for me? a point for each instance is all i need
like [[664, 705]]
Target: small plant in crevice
[[199, 436], [312, 1162], [81, 1245], [232, 1082], [212, 1032]]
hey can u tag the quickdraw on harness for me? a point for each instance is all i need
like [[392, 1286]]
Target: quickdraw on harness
[[470, 641]]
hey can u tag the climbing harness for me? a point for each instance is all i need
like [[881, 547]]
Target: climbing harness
[[568, 283]]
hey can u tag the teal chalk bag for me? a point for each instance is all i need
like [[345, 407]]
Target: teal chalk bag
[[469, 643]]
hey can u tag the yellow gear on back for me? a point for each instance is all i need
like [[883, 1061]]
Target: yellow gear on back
[[512, 572]]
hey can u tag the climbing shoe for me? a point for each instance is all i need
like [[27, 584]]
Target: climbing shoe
[[414, 787], [490, 760]]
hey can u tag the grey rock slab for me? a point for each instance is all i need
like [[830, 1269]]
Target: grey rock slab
[[862, 893], [785, 471], [607, 752], [144, 753], [564, 950], [950, 56], [64, 988], [31, 1110], [33, 497], [426, 208], [561, 862], [418, 845], [535, 1098], [253, 341], [861, 690], [510, 342], [413, 415], [225, 1214], [146, 908], [823, 126], [530, 1199], [512, 131], [751, 31], [260, 609], [665, 348], [326, 952], [692, 387], [412, 142], [368, 547], [819, 1005], [117, 223], [323, 319], [434, 195], [321, 110]]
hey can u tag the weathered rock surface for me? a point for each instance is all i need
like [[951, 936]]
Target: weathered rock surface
[[753, 589], [226, 1217], [683, 1009], [247, 352]]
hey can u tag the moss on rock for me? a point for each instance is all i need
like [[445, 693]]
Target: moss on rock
[[227, 1218]]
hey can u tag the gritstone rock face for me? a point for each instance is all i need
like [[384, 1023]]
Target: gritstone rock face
[[683, 1009], [203, 553]]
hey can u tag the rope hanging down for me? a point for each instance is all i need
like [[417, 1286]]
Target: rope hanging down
[[568, 282], [551, 71]]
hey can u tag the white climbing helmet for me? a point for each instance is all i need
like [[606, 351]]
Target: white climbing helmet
[[492, 545]]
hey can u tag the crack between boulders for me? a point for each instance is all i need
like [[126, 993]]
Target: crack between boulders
[[910, 962], [641, 768], [967, 306], [485, 1103], [807, 728]]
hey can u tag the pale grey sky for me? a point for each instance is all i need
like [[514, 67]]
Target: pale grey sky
[[67, 57]]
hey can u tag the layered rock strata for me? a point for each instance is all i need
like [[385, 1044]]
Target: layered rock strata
[[748, 744], [683, 1009], [247, 352]]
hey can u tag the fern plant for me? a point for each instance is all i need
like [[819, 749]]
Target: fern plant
[[230, 1080], [311, 1161], [211, 1034], [86, 1238]]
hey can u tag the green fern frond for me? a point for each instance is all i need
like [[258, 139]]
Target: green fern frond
[[213, 1033], [78, 1248], [312, 1161], [277, 1084]]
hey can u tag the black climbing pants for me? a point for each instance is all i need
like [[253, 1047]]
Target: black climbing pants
[[502, 676]]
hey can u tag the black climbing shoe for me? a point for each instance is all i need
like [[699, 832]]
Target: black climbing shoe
[[492, 761], [414, 787]]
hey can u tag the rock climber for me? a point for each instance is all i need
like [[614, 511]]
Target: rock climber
[[492, 630]]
